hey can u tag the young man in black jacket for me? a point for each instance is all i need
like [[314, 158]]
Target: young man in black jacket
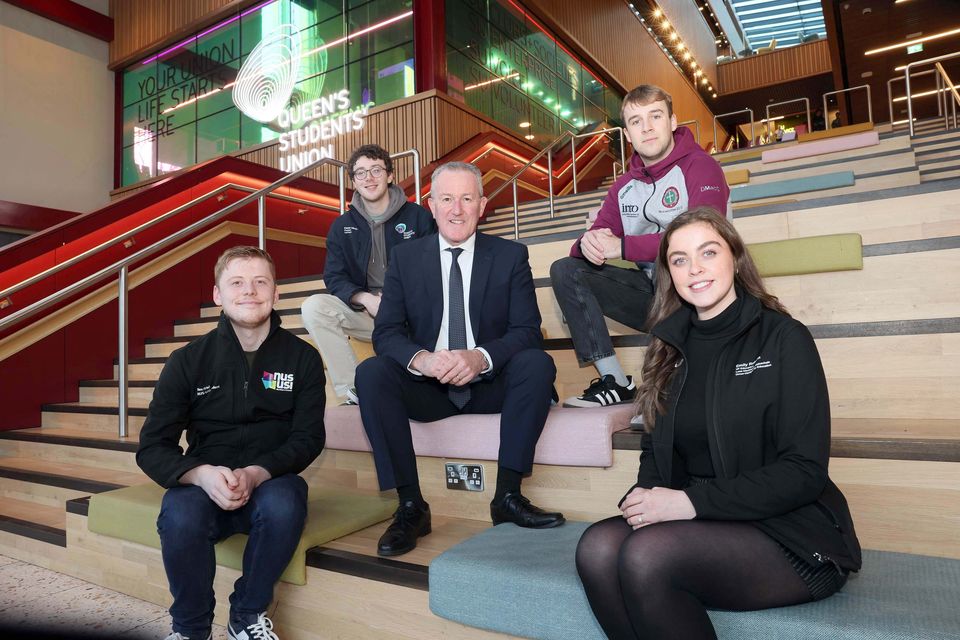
[[358, 244], [250, 396]]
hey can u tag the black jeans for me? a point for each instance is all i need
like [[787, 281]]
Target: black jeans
[[586, 293], [190, 524]]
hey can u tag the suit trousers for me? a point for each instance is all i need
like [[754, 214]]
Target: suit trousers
[[390, 396]]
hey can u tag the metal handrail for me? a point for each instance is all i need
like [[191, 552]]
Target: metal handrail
[[898, 78], [696, 122], [121, 267], [416, 168], [826, 120], [906, 73], [573, 148], [733, 113], [142, 227], [953, 91], [806, 101], [513, 179], [615, 165]]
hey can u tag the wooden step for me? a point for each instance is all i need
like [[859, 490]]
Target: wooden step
[[102, 418], [39, 481], [93, 452], [31, 520]]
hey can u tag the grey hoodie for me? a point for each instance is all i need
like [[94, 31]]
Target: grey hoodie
[[377, 267]]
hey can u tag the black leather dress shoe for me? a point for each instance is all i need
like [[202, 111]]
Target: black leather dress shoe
[[410, 521], [514, 508]]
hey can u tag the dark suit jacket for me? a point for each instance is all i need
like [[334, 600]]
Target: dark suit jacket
[[503, 302]]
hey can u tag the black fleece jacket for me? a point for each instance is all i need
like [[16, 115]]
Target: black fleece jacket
[[768, 428], [235, 416], [348, 246]]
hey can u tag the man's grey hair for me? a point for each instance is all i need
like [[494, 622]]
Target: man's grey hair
[[458, 166]]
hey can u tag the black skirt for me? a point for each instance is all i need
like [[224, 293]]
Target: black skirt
[[823, 579]]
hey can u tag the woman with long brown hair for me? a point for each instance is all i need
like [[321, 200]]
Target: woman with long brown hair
[[733, 508]]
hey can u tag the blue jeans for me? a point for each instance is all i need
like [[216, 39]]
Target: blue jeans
[[586, 293], [190, 524]]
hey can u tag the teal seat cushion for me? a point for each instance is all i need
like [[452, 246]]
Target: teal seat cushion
[[796, 185], [524, 583]]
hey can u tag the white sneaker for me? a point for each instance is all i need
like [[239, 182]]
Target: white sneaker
[[604, 392], [352, 397], [176, 635], [262, 629]]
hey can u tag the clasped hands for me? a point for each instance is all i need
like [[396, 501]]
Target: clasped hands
[[229, 488], [457, 367], [643, 507], [600, 245]]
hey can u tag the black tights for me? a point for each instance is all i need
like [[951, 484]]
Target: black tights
[[656, 582]]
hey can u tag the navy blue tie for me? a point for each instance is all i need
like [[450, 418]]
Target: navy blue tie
[[457, 326]]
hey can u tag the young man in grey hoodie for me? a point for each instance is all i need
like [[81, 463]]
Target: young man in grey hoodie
[[358, 245]]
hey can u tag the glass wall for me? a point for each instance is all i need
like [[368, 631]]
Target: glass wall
[[505, 64], [178, 108]]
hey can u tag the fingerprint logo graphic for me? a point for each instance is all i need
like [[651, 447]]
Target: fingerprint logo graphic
[[267, 77]]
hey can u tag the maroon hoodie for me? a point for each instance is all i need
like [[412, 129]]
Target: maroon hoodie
[[644, 200]]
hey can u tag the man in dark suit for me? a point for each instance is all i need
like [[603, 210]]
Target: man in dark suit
[[458, 331]]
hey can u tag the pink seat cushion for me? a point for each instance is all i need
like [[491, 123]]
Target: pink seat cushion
[[571, 437], [818, 147]]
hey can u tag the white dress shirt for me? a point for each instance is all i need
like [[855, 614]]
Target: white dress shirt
[[465, 261]]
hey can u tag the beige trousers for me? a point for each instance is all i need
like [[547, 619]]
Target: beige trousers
[[330, 321]]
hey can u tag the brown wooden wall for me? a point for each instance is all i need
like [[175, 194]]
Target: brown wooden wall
[[622, 48], [863, 25], [143, 24], [776, 67], [691, 25]]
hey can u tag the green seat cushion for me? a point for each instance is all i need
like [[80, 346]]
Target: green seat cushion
[[796, 256], [131, 514], [795, 185], [816, 254]]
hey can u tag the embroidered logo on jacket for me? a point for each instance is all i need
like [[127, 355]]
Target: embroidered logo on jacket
[[671, 197], [709, 187], [278, 381], [401, 228], [348, 230], [746, 368], [204, 390]]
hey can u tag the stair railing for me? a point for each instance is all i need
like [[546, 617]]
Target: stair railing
[[906, 73], [890, 99], [953, 92], [806, 102], [847, 90], [121, 269], [6, 294], [590, 134], [548, 150], [415, 154], [696, 124], [733, 113]]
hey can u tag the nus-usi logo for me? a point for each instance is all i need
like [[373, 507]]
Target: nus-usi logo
[[278, 381]]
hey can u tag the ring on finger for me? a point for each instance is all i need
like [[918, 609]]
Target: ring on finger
[[639, 518]]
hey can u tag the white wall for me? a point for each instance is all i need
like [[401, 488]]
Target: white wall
[[56, 114]]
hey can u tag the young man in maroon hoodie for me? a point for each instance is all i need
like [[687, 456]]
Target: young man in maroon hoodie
[[668, 174]]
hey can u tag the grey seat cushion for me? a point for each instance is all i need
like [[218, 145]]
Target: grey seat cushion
[[524, 583]]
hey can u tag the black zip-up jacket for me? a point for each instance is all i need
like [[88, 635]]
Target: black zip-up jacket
[[768, 428], [349, 242], [235, 416]]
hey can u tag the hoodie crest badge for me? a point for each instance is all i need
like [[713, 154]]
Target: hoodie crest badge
[[671, 197], [401, 228]]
